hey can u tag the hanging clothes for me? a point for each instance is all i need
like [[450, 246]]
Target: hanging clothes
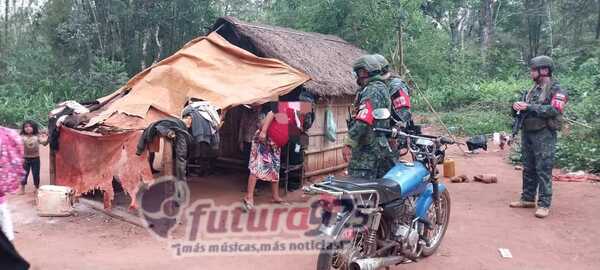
[[205, 123], [181, 141], [69, 113], [208, 111]]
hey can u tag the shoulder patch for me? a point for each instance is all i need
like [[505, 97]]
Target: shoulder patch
[[401, 100], [365, 112], [559, 100]]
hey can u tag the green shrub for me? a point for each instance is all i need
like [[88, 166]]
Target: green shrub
[[580, 148], [476, 122], [579, 151]]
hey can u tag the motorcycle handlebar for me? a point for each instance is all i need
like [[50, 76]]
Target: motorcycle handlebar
[[446, 140], [394, 132]]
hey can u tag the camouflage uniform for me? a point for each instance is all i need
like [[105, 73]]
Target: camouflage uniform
[[400, 97], [399, 92], [542, 120], [371, 153], [400, 104]]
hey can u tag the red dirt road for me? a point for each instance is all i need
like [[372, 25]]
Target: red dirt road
[[480, 223]]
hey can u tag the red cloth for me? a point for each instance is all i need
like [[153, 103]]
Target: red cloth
[[87, 161], [575, 177], [11, 162], [278, 132], [289, 117]]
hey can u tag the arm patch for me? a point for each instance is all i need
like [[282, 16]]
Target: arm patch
[[559, 101], [365, 112], [401, 100]]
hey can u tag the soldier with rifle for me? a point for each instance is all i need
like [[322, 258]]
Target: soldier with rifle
[[539, 115]]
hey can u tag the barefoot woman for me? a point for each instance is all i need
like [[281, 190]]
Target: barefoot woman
[[265, 153]]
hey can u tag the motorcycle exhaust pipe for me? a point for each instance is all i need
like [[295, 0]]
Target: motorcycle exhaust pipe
[[375, 263]]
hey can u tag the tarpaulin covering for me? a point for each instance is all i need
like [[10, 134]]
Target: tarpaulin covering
[[87, 161], [207, 68]]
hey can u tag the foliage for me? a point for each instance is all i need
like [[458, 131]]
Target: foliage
[[104, 77], [468, 57], [579, 147]]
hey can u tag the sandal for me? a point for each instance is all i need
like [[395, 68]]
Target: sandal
[[282, 202], [246, 205]]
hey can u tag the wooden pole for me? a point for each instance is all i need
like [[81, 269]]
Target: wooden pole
[[400, 68], [52, 166], [326, 170], [168, 167], [168, 170]]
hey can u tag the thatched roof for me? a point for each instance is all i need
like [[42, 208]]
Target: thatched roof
[[326, 59]]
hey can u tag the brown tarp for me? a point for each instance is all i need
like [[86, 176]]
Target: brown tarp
[[87, 161], [207, 68]]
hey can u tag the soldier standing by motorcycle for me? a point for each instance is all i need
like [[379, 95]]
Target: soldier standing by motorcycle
[[399, 93], [541, 108], [368, 151], [400, 104]]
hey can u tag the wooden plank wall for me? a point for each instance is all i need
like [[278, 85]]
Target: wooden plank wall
[[321, 153], [228, 134]]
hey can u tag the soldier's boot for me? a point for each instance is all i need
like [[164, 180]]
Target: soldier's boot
[[522, 204], [542, 212]]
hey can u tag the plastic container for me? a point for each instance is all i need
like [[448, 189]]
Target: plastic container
[[449, 170], [54, 201]]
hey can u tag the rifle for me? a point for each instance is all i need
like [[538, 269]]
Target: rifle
[[518, 119], [350, 118]]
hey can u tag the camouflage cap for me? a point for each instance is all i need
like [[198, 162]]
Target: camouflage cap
[[382, 61], [542, 61], [367, 62]]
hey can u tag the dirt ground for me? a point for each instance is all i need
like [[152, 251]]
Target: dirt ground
[[481, 222]]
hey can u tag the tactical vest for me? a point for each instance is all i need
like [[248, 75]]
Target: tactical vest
[[373, 138], [379, 123], [542, 96]]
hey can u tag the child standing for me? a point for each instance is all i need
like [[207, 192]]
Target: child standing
[[31, 141]]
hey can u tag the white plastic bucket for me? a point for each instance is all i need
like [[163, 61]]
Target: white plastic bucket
[[54, 201]]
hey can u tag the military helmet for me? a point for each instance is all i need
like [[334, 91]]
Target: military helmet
[[542, 61], [385, 65], [368, 63]]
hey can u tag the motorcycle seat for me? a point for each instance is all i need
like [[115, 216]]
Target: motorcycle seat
[[388, 190]]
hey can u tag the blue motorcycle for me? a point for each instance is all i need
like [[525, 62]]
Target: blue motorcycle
[[385, 222]]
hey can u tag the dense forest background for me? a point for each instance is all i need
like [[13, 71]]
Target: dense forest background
[[468, 57]]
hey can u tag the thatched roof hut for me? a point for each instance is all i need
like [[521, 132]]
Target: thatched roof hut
[[326, 59], [164, 88]]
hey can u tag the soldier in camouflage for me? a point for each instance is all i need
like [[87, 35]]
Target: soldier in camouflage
[[542, 107], [368, 151], [400, 104], [399, 93]]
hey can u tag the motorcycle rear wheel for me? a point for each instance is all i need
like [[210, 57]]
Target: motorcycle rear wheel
[[436, 234]]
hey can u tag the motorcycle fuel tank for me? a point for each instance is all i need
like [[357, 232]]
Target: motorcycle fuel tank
[[410, 176]]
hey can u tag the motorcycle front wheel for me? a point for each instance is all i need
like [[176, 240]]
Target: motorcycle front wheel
[[436, 234]]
